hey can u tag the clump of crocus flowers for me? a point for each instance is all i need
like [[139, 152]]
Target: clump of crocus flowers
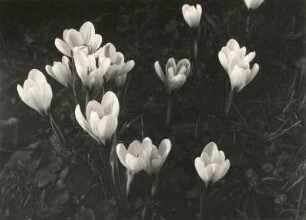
[[90, 67]]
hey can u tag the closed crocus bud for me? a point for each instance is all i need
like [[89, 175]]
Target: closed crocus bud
[[118, 66], [253, 4], [176, 74], [211, 166], [192, 14], [90, 72], [61, 72], [158, 156], [101, 118], [236, 63], [85, 39], [36, 92]]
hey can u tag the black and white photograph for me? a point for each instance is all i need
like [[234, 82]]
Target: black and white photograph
[[152, 110]]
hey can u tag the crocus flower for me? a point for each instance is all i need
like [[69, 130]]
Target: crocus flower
[[89, 70], [175, 74], [60, 71], [211, 166], [84, 39], [158, 156], [144, 155], [118, 66], [192, 14], [253, 4], [236, 63], [36, 92], [136, 156], [101, 118]]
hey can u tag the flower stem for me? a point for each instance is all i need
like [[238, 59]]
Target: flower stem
[[228, 102], [154, 186], [169, 111], [113, 160], [87, 97], [247, 28], [203, 200], [195, 50], [129, 179], [56, 129]]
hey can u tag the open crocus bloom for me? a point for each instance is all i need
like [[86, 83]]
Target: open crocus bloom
[[60, 71], [176, 74], [158, 156], [118, 68], [89, 71], [192, 14], [101, 118], [236, 63], [253, 4], [211, 165], [136, 156], [144, 155], [36, 92], [84, 39]]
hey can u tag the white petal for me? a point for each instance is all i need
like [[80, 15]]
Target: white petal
[[211, 149], [87, 30], [63, 47], [254, 72], [205, 173], [127, 67], [121, 153], [183, 67], [73, 38], [95, 42], [232, 44], [135, 148], [248, 58], [238, 78], [171, 64], [133, 163], [83, 123], [199, 14], [221, 171], [176, 82], [107, 127], [37, 76], [110, 104], [223, 60], [159, 71], [95, 106]]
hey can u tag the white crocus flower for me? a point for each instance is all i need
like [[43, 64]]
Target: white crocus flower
[[60, 71], [101, 118], [158, 156], [192, 14], [211, 166], [236, 63], [118, 67], [253, 4], [36, 92], [90, 71], [134, 158], [176, 74], [84, 39]]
